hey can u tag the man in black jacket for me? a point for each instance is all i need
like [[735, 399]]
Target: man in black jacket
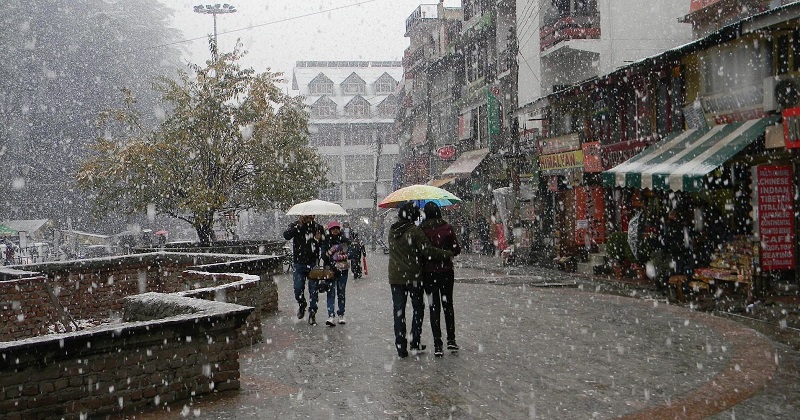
[[306, 236]]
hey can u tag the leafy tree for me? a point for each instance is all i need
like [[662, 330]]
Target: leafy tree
[[60, 62], [230, 140]]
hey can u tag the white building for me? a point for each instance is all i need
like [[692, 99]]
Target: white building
[[562, 42], [353, 106]]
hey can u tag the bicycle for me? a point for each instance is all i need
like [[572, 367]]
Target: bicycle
[[287, 259]]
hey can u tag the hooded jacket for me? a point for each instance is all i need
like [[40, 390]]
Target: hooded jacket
[[441, 235], [409, 249]]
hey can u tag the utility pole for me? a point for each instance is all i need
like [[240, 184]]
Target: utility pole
[[214, 10], [516, 155], [379, 149]]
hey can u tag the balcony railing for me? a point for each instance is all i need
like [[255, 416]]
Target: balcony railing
[[423, 11], [569, 27]]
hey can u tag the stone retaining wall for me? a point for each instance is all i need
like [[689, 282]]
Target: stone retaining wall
[[188, 349], [178, 323]]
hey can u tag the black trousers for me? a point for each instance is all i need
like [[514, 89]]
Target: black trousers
[[439, 289], [400, 295]]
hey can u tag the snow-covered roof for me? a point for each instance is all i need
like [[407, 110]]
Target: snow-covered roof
[[302, 76], [26, 225]]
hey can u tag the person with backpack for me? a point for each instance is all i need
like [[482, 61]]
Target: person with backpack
[[439, 277]]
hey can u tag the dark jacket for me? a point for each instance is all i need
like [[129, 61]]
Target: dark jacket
[[409, 248], [305, 248], [328, 243], [442, 236]]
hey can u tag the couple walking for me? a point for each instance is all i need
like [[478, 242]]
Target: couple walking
[[421, 261], [310, 243]]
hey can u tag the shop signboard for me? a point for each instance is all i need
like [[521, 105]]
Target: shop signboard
[[775, 216], [446, 152], [791, 127], [559, 162], [559, 144], [592, 157]]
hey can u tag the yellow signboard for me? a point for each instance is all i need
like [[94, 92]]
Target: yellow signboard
[[566, 160]]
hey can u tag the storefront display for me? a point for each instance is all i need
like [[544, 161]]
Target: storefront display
[[733, 263]]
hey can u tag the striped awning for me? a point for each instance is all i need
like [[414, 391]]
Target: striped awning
[[682, 160]]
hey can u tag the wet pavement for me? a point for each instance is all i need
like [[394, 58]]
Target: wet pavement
[[535, 344]]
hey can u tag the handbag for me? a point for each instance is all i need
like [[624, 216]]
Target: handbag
[[321, 272]]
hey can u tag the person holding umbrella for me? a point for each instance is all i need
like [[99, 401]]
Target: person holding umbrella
[[306, 236], [409, 248]]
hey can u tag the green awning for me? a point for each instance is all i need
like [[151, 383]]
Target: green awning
[[682, 160], [7, 231]]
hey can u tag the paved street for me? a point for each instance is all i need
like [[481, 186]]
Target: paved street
[[527, 352]]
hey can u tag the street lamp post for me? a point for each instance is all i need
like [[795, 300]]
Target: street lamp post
[[214, 10]]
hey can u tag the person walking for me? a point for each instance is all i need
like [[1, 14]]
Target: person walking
[[334, 254], [408, 247], [439, 277], [306, 236]]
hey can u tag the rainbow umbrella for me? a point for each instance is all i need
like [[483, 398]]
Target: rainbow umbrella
[[419, 194]]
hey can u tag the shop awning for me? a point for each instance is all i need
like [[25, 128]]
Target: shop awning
[[680, 161], [466, 163], [440, 182]]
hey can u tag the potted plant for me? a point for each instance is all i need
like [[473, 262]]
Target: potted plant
[[619, 252]]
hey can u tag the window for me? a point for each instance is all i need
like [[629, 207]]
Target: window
[[333, 194], [359, 167], [385, 85], [359, 190], [354, 85], [321, 85], [358, 107], [358, 137], [386, 167], [475, 61], [743, 65], [323, 108], [388, 108], [325, 137], [334, 164]]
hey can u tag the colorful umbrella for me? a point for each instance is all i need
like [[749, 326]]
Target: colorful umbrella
[[420, 194], [316, 208]]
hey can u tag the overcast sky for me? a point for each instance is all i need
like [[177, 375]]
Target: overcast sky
[[277, 33]]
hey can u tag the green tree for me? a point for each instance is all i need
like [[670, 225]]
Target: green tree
[[230, 140]]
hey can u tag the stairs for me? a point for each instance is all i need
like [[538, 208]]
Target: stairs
[[597, 259]]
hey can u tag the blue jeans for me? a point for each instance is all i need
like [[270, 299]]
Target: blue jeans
[[300, 275], [400, 295], [337, 288]]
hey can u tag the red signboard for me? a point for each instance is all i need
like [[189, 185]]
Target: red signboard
[[447, 152], [775, 216], [592, 157], [696, 5], [791, 127]]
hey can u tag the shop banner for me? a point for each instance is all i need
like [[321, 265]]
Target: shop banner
[[592, 157], [560, 161], [773, 191]]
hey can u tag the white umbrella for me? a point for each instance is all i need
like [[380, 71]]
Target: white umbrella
[[317, 208]]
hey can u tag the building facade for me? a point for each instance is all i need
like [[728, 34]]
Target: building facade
[[352, 106]]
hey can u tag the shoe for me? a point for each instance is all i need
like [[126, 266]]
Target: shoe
[[312, 318], [451, 345], [402, 353], [330, 322], [301, 311], [341, 320], [418, 350], [437, 351]]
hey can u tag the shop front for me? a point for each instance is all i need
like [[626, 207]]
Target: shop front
[[719, 201]]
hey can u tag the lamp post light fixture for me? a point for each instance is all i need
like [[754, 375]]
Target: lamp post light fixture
[[214, 10]]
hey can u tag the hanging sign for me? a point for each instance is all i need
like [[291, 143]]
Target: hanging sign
[[791, 128], [446, 152], [774, 201]]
